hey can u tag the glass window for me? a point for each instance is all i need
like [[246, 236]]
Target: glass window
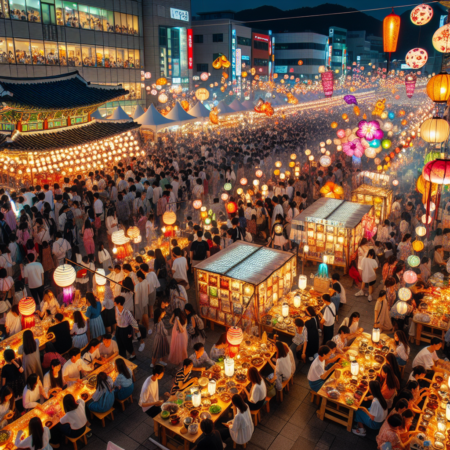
[[100, 56], [71, 15], [4, 9], [135, 25], [88, 56], [137, 59], [74, 55], [23, 53], [11, 56], [138, 91], [218, 37], [17, 9], [131, 59], [123, 23], [59, 13], [4, 59], [132, 91], [51, 53], [34, 10], [62, 54], [84, 16], [109, 56], [130, 24], [37, 52], [48, 14], [120, 57], [126, 86], [96, 19], [109, 25], [117, 22]]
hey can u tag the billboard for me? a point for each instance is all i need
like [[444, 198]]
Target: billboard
[[190, 46]]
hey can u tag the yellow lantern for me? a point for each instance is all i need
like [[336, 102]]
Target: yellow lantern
[[169, 217], [438, 88], [133, 232], [276, 172], [417, 246], [202, 94], [435, 130], [203, 212], [291, 164], [161, 81], [278, 164]]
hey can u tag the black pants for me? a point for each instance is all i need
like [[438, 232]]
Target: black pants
[[124, 342], [255, 406], [38, 294], [153, 411], [327, 333]]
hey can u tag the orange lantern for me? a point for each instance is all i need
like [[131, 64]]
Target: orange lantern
[[417, 246], [344, 116], [243, 181], [27, 308], [391, 29], [259, 173], [231, 208], [197, 204]]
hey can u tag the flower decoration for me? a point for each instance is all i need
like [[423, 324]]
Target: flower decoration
[[353, 148], [369, 130], [332, 190]]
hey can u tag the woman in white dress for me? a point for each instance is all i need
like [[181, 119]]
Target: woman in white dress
[[241, 427], [38, 436], [256, 396], [283, 368]]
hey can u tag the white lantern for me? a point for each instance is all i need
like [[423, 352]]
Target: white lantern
[[212, 387], [447, 410], [376, 335], [305, 248], [196, 399], [402, 307], [229, 367], [100, 280], [285, 310], [302, 282], [354, 368], [297, 301], [64, 275]]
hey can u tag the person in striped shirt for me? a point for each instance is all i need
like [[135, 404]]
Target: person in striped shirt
[[125, 323]]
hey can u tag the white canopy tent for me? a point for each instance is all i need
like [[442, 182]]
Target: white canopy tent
[[179, 116], [120, 115], [138, 111], [153, 120], [96, 115], [248, 105], [224, 108], [236, 105], [200, 111]]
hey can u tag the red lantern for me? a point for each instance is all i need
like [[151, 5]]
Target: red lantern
[[410, 85], [27, 308], [410, 277], [392, 155], [437, 171], [327, 83], [234, 338], [231, 208]]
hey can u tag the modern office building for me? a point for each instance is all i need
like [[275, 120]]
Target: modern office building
[[361, 49], [300, 54], [337, 50]]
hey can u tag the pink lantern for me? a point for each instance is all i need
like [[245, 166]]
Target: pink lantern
[[340, 133], [410, 84], [416, 58], [27, 308], [421, 14], [395, 182], [437, 171], [327, 83], [410, 277], [204, 76], [259, 173], [224, 197], [197, 204], [234, 338]]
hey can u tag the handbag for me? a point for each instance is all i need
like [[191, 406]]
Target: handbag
[[270, 388]]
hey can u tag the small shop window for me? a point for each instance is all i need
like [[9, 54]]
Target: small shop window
[[117, 23], [4, 9], [137, 59], [135, 25], [108, 21], [59, 13], [120, 57], [62, 54], [23, 52], [71, 15], [100, 57], [74, 57], [34, 11], [88, 56], [84, 17], [123, 23], [51, 54], [96, 18], [37, 52], [48, 14], [17, 9]]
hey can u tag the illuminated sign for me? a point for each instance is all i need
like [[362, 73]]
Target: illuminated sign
[[281, 69], [233, 55], [238, 62], [179, 14], [190, 46], [259, 37], [245, 58]]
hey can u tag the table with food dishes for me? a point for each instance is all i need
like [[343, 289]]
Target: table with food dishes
[[182, 413], [51, 411], [347, 386]]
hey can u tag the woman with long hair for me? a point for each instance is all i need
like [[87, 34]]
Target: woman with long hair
[[390, 384], [382, 313], [93, 313], [31, 358], [392, 361], [256, 396], [128, 293], [103, 397], [33, 392], [195, 326], [178, 295], [179, 343], [79, 330], [373, 417], [282, 366], [241, 427], [73, 422], [369, 276], [38, 436], [161, 347], [312, 327], [53, 379], [88, 237], [124, 383], [402, 349]]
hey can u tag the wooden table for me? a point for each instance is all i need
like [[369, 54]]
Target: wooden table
[[337, 410], [425, 332], [75, 390]]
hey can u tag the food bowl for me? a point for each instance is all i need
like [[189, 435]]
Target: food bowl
[[225, 397], [174, 419], [205, 415], [215, 409], [165, 415], [195, 413], [188, 421], [193, 428], [203, 382]]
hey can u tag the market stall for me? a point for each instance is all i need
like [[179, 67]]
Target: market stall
[[371, 178], [242, 282], [332, 228], [379, 197]]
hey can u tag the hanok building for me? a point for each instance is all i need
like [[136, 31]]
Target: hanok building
[[47, 131]]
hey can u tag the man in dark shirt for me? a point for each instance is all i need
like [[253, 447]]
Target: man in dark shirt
[[182, 377], [199, 249], [211, 439], [216, 247], [63, 340]]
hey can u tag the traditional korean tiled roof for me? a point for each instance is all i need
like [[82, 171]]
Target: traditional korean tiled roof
[[67, 91], [64, 137]]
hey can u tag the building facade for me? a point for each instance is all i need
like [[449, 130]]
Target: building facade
[[337, 50], [300, 54]]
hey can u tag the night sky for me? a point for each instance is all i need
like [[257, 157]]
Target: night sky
[[238, 5]]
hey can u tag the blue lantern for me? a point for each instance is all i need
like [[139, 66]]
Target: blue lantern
[[375, 143], [391, 115]]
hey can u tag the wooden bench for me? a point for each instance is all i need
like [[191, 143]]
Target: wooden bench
[[243, 445], [122, 402], [102, 415], [256, 414], [315, 397], [285, 385], [75, 440]]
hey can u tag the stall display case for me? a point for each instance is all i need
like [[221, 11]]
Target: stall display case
[[379, 197]]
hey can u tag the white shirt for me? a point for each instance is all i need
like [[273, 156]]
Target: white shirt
[[89, 357], [316, 370], [28, 442], [31, 398], [283, 367], [108, 351], [425, 358], [242, 429], [60, 248], [49, 198], [33, 272], [72, 370], [401, 352], [277, 210], [258, 392], [103, 255], [179, 269], [52, 305], [328, 315], [76, 418], [149, 393], [13, 323], [377, 411], [152, 281], [98, 206], [368, 267]]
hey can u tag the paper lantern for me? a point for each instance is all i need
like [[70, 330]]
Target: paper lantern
[[334, 124], [327, 83], [278, 164], [441, 39], [332, 190], [228, 186], [197, 204], [302, 282], [231, 208], [416, 58], [391, 29], [437, 171], [259, 173], [278, 229], [133, 232], [276, 172], [410, 277], [404, 294], [424, 219], [285, 310], [161, 81], [410, 85], [297, 301], [224, 197], [243, 181], [203, 212], [169, 218], [438, 87], [202, 94], [325, 161], [239, 191], [417, 246], [27, 308], [402, 307], [293, 156], [376, 335], [421, 230], [414, 260], [64, 275], [119, 238], [235, 336], [162, 98], [100, 280], [435, 130], [229, 367], [421, 14], [395, 182]]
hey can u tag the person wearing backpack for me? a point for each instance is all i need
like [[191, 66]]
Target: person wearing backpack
[[238, 234], [199, 250], [328, 318]]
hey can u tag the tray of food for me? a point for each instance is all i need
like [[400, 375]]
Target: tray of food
[[216, 368], [241, 377], [5, 436], [257, 361], [225, 397]]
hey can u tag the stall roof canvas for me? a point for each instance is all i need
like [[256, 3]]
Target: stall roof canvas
[[378, 191]]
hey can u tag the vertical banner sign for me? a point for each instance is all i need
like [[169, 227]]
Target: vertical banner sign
[[238, 70], [233, 55], [190, 42]]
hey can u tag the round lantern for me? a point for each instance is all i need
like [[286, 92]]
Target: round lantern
[[414, 260], [434, 130], [259, 173], [416, 58], [27, 308], [231, 208], [161, 81], [325, 161], [244, 181], [278, 164], [395, 182], [421, 14], [202, 94], [402, 307], [64, 275], [441, 39], [162, 98], [133, 232], [421, 230], [437, 171], [234, 338], [293, 156], [239, 191], [203, 212], [119, 238], [438, 87], [391, 28], [255, 182], [424, 219], [228, 186], [417, 246], [169, 217], [204, 76], [100, 280], [276, 172], [224, 197], [404, 294], [410, 277], [197, 204]]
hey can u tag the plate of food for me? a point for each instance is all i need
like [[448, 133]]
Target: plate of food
[[203, 382], [216, 368], [215, 409], [188, 405], [257, 361], [231, 384], [349, 400], [233, 391], [4, 436], [205, 415], [50, 336], [92, 381], [241, 377], [225, 397], [206, 403]]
